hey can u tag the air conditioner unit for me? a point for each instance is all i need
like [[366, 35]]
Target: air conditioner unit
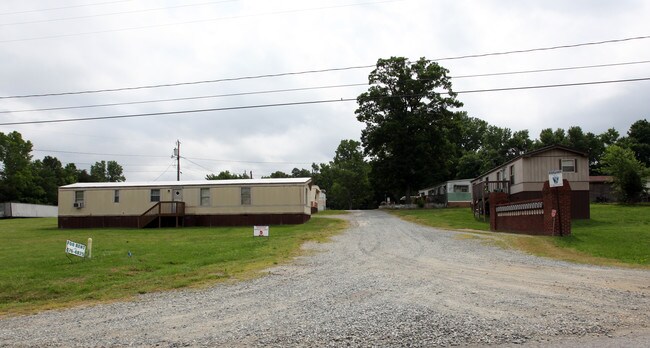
[[78, 205]]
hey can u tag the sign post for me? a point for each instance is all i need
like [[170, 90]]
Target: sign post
[[555, 181]]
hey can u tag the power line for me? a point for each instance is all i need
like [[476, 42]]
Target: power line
[[316, 87], [550, 69], [186, 83], [552, 86], [189, 98], [158, 156], [116, 13], [592, 43], [165, 171], [98, 154], [315, 70], [166, 113], [259, 106], [198, 21], [62, 8]]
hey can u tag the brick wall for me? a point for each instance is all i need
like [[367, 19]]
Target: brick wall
[[534, 216], [558, 199]]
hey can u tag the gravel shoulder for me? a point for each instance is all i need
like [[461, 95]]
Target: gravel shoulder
[[384, 282]]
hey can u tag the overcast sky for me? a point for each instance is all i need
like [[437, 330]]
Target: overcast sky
[[68, 46]]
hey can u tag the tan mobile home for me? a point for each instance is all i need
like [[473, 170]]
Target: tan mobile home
[[185, 203], [523, 178]]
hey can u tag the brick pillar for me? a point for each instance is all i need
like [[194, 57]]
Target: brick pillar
[[558, 199], [494, 199]]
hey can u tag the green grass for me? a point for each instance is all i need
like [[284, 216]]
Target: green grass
[[616, 235], [332, 212], [36, 274], [448, 218], [620, 232]]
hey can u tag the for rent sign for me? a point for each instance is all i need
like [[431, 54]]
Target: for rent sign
[[260, 231], [75, 248]]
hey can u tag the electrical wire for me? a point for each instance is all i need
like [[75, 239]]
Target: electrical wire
[[198, 21], [311, 102], [549, 69], [115, 13], [188, 98], [62, 7], [316, 87], [165, 171], [158, 156], [316, 70], [186, 83]]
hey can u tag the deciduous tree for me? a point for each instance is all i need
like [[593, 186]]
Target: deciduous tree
[[407, 116]]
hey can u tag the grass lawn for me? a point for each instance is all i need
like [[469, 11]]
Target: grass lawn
[[332, 212], [448, 218], [620, 232], [36, 274], [616, 235]]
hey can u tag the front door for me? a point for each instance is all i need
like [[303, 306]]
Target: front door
[[177, 195]]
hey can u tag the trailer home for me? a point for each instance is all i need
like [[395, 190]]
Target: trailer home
[[185, 203]]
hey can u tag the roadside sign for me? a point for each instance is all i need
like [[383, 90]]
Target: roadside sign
[[555, 178], [73, 248], [260, 231]]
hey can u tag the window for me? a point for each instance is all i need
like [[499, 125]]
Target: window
[[512, 174], [246, 196], [568, 165], [155, 195], [205, 197], [461, 188], [116, 196], [78, 196]]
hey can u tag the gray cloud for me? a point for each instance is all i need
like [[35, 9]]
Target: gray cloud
[[255, 37]]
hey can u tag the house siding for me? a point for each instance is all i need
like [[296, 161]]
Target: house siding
[[286, 203], [531, 171]]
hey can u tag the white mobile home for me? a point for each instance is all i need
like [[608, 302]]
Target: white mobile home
[[185, 203]]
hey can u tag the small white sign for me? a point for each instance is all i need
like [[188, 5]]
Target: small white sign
[[260, 231], [75, 248], [555, 178]]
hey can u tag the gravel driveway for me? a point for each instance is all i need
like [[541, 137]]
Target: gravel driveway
[[384, 282]]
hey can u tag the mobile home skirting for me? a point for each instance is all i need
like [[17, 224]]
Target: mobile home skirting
[[187, 220], [579, 202]]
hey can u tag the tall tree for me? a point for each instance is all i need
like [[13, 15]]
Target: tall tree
[[17, 179], [226, 175], [300, 173], [639, 135], [630, 174], [104, 171], [350, 187], [407, 117], [279, 174]]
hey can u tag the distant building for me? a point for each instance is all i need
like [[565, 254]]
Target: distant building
[[24, 210], [523, 177], [601, 189], [453, 193], [185, 203]]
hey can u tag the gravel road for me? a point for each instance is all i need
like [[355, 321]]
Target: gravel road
[[384, 282]]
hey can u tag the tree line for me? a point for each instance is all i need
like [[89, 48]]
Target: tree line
[[25, 180], [414, 138]]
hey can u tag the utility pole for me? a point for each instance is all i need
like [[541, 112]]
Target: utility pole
[[177, 154]]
